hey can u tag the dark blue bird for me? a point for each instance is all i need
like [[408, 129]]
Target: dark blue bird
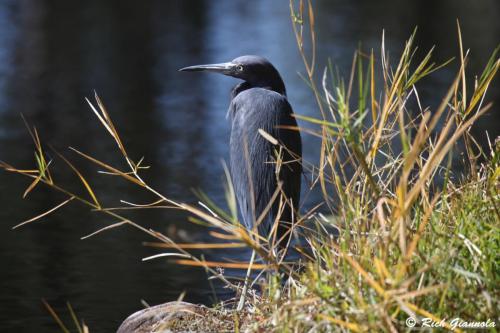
[[260, 103]]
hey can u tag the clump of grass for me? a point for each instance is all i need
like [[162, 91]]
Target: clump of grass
[[409, 245]]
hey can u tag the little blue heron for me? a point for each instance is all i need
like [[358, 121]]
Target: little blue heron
[[259, 108]]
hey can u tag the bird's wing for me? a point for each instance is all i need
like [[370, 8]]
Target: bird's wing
[[253, 157]]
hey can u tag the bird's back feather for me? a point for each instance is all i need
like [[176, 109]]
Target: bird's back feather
[[253, 167]]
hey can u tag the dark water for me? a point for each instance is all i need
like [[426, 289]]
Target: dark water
[[53, 53]]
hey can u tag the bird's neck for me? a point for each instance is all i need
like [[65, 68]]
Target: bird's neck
[[278, 87]]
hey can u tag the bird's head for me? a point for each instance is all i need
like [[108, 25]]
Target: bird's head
[[255, 70]]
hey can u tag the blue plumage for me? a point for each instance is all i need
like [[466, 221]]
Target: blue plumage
[[260, 103]]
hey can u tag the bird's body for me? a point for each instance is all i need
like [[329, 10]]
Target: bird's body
[[259, 108], [253, 154]]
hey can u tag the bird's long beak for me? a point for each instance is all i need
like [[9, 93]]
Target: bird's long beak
[[224, 68]]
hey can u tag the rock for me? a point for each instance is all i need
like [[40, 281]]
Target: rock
[[167, 317]]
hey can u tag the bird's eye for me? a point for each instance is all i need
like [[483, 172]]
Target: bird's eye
[[240, 68]]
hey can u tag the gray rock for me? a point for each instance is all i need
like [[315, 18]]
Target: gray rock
[[167, 317]]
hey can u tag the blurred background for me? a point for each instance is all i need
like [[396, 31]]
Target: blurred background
[[55, 53]]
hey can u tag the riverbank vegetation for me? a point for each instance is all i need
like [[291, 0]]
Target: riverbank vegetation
[[415, 239]]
